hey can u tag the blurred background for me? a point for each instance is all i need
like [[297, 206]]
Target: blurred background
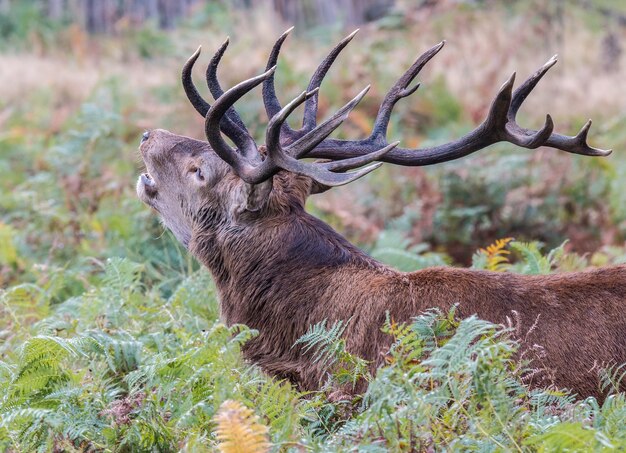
[[80, 80]]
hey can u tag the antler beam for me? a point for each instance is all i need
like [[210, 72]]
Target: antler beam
[[254, 170], [285, 145], [500, 124]]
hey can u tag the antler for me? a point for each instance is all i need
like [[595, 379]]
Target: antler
[[272, 106], [500, 124], [285, 145], [246, 160], [254, 170], [231, 125]]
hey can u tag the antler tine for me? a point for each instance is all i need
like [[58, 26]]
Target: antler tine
[[214, 84], [201, 106], [319, 173], [400, 90], [242, 164], [236, 132], [332, 179], [577, 144], [529, 138], [211, 71], [272, 105], [499, 126], [315, 136], [272, 134], [322, 172], [525, 88], [310, 107]]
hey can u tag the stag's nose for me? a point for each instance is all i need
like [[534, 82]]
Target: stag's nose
[[145, 136]]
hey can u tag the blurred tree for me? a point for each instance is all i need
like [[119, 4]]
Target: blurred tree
[[55, 9], [611, 51], [101, 16], [318, 12]]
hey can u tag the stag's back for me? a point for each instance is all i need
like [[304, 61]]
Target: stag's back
[[571, 324]]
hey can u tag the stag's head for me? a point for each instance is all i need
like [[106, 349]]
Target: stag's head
[[196, 185], [182, 179]]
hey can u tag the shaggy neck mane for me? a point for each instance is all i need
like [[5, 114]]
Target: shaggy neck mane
[[256, 264]]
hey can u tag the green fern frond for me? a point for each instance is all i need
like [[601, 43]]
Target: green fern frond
[[569, 436], [122, 353], [533, 261], [613, 378], [325, 343], [121, 275]]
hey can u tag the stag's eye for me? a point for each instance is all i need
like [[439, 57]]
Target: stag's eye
[[198, 173]]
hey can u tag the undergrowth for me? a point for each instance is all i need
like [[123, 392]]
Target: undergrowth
[[120, 367], [102, 353]]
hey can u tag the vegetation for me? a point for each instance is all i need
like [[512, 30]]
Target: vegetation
[[120, 367], [110, 337]]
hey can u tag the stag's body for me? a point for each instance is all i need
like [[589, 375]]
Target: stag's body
[[290, 274], [240, 211]]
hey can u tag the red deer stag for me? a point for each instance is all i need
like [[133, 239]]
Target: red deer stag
[[240, 211]]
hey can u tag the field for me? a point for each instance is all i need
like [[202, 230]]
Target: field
[[110, 338]]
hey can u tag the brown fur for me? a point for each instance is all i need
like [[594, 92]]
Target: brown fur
[[280, 270]]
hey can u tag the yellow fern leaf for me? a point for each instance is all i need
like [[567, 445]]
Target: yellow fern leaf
[[496, 253], [239, 430]]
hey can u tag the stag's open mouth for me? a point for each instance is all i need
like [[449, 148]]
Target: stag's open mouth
[[146, 188]]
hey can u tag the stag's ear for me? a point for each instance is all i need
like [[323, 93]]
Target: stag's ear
[[253, 197], [318, 187]]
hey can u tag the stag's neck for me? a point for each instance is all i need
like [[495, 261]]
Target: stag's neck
[[256, 265]]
